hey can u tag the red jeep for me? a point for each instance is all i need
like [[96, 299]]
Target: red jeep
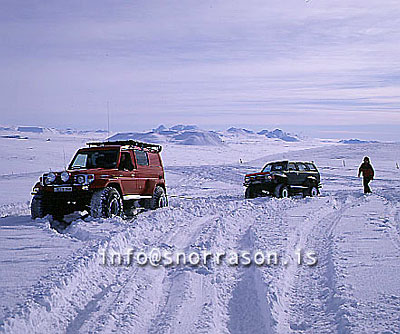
[[104, 178]]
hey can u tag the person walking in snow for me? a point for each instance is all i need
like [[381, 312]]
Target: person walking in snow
[[368, 174]]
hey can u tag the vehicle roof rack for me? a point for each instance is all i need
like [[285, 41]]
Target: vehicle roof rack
[[131, 143]]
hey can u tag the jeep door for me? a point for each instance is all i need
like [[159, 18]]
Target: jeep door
[[127, 173], [145, 177], [292, 174], [303, 173], [313, 172]]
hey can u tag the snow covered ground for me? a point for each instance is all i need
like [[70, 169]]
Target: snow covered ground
[[55, 282]]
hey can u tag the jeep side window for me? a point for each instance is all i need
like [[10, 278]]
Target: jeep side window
[[79, 161], [267, 168], [141, 158], [126, 162], [311, 167], [291, 167], [277, 167], [154, 159], [301, 167]]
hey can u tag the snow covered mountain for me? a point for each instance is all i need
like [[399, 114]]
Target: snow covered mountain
[[279, 134], [239, 131], [34, 129], [178, 134], [41, 130], [274, 134], [356, 141]]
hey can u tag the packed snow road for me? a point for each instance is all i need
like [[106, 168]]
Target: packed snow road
[[54, 282]]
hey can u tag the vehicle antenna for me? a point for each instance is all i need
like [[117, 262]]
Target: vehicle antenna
[[108, 119], [65, 165]]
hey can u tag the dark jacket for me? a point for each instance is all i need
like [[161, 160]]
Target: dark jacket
[[366, 170]]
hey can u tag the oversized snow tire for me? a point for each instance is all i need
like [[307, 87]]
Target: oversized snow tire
[[312, 191], [38, 207], [281, 191], [159, 199], [250, 193], [106, 203]]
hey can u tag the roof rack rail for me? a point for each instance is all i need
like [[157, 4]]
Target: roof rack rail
[[152, 147]]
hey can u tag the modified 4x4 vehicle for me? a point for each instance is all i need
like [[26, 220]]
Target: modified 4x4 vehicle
[[282, 179], [102, 179]]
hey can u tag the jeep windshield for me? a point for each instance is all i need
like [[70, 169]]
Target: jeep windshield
[[95, 159], [274, 167]]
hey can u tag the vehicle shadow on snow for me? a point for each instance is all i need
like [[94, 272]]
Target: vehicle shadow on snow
[[61, 225], [26, 220], [10, 221]]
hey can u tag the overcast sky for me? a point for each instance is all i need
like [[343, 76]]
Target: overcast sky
[[323, 67]]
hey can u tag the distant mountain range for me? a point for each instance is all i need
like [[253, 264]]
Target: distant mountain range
[[356, 141], [177, 134], [277, 133], [41, 129], [193, 135]]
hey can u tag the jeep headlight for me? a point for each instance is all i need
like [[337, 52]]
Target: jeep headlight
[[268, 177], [50, 178], [65, 176]]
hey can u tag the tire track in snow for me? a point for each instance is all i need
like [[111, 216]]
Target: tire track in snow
[[130, 302], [312, 297], [217, 286], [249, 309], [176, 294], [83, 278], [75, 304], [116, 313], [281, 235], [214, 284]]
